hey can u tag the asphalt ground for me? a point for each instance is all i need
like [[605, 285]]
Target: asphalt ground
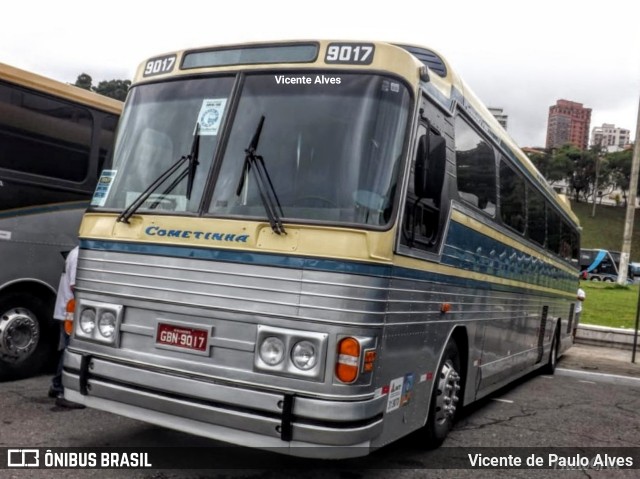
[[537, 411], [600, 364]]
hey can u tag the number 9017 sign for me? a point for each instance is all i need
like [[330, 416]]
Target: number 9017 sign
[[160, 65], [350, 53]]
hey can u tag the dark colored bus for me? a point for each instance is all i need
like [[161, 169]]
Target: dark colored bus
[[54, 140]]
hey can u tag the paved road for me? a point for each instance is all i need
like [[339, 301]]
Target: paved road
[[541, 411]]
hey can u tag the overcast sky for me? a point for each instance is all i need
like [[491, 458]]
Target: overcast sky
[[518, 55]]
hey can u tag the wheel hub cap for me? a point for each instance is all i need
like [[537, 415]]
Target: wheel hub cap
[[447, 393], [19, 334]]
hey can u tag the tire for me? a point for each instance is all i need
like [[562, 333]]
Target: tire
[[607, 280], [28, 335], [595, 278], [445, 397], [550, 367]]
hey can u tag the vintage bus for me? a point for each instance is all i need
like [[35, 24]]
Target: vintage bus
[[54, 141], [317, 248]]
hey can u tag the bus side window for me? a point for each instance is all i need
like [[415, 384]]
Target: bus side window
[[422, 207], [475, 168], [45, 136]]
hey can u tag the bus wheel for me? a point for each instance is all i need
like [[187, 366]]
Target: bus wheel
[[27, 338], [550, 367], [445, 399]]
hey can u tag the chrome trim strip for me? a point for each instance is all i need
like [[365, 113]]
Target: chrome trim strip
[[246, 311], [232, 285], [240, 298]]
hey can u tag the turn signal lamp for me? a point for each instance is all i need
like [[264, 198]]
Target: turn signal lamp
[[369, 360], [348, 360], [68, 320]]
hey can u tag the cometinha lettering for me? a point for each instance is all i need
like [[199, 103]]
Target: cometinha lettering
[[307, 80], [189, 234]]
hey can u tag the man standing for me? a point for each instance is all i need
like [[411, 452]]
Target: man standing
[[65, 294], [580, 297]]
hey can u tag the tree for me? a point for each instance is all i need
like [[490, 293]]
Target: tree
[[84, 81], [552, 166], [582, 169], [618, 168], [114, 88]]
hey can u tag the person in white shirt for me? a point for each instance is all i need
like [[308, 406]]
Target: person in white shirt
[[65, 294], [580, 297]]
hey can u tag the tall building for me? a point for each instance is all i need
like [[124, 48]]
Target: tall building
[[610, 137], [568, 123], [499, 114]]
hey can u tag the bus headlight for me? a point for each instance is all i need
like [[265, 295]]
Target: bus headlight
[[291, 352], [98, 321], [88, 320], [272, 351], [107, 323], [304, 355]]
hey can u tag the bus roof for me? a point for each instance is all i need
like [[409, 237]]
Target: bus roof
[[417, 64], [72, 93]]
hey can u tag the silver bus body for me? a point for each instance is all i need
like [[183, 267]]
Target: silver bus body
[[175, 313]]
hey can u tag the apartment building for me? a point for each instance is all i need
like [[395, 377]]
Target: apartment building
[[610, 137], [569, 122]]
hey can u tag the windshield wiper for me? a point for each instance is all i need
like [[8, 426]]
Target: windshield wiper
[[268, 195], [191, 158], [189, 172]]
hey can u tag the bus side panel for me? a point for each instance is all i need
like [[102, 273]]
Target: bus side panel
[[33, 244], [525, 293], [408, 359]]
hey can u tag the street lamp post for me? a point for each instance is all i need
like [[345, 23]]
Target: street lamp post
[[631, 207]]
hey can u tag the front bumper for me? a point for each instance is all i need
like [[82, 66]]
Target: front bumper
[[233, 413]]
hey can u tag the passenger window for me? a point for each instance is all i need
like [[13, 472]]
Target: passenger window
[[475, 168], [512, 198], [537, 222], [569, 243], [43, 136], [553, 231]]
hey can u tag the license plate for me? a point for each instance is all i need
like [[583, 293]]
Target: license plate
[[180, 337]]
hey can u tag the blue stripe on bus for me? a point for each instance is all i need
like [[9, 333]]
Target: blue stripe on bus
[[468, 249], [293, 262]]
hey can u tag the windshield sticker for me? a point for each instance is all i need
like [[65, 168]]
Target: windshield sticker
[[103, 187], [210, 115]]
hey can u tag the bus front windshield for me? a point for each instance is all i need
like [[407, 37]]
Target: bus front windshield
[[330, 144]]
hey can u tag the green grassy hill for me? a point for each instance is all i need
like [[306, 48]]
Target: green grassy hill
[[605, 230]]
